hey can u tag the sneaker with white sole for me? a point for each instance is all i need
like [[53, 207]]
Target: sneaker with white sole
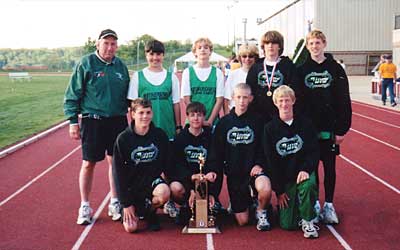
[[262, 221], [318, 215], [330, 216], [171, 209], [114, 211], [309, 229], [84, 215]]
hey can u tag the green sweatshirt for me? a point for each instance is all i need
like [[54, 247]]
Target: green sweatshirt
[[97, 87]]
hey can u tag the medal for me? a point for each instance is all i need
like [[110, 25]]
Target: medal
[[269, 82]]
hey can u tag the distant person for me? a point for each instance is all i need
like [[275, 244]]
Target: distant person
[[140, 156], [97, 90], [269, 73], [204, 83], [292, 150], [327, 103], [375, 70], [161, 87], [237, 150], [248, 54], [193, 141], [342, 64], [387, 71]]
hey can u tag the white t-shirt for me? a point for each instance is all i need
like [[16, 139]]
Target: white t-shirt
[[234, 78], [155, 78], [202, 74]]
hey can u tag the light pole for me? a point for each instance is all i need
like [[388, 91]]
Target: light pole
[[244, 30], [137, 54]]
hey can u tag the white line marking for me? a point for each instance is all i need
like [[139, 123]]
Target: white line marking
[[210, 243], [39, 176], [32, 139], [375, 139], [85, 232], [370, 174], [375, 120], [378, 108], [339, 237]]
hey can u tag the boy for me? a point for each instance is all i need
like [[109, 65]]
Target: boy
[[238, 150], [193, 141], [204, 83], [140, 156], [325, 90], [291, 148], [154, 83], [387, 71], [268, 73]]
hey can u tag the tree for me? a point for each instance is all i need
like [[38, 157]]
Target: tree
[[90, 46]]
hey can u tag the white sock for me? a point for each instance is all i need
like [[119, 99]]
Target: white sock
[[113, 200], [85, 203], [329, 204]]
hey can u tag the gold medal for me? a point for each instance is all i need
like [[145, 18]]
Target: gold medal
[[269, 93]]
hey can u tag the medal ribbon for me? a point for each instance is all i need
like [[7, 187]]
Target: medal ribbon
[[269, 83]]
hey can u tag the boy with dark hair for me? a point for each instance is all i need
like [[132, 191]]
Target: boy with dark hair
[[237, 149], [140, 156], [325, 90], [193, 141], [268, 73], [387, 71], [291, 148]]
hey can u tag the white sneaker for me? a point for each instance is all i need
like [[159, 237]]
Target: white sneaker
[[171, 209], [114, 211], [310, 230], [330, 216], [319, 216], [262, 221], [84, 215]]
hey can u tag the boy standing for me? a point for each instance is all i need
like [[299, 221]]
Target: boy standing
[[325, 90], [140, 156], [238, 150], [154, 83], [387, 71], [291, 148], [193, 141]]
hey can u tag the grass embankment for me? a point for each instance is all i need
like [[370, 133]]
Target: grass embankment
[[27, 108]]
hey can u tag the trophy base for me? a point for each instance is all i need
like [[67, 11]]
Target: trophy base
[[200, 230]]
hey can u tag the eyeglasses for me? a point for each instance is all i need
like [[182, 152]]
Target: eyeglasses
[[245, 56]]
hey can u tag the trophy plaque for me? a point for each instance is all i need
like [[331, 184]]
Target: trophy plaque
[[202, 220]]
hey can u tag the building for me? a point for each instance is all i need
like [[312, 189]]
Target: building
[[358, 31]]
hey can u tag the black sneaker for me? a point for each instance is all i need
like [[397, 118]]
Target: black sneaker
[[383, 103], [218, 208], [393, 104], [153, 221]]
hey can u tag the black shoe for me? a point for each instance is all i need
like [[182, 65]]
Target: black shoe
[[394, 104], [218, 208], [183, 216], [153, 221], [383, 103]]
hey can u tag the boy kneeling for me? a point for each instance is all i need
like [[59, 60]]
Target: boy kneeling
[[140, 156], [292, 151], [238, 150]]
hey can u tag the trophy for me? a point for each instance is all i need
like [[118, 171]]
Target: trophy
[[202, 220]]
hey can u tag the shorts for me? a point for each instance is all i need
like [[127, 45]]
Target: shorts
[[98, 136], [239, 190]]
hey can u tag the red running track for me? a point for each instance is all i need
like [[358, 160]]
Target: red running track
[[42, 216]]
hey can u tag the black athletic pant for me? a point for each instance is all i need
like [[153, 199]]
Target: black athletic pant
[[328, 157]]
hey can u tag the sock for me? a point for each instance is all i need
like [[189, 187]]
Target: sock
[[85, 203], [114, 200], [329, 204]]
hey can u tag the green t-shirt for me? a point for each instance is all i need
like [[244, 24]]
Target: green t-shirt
[[161, 99]]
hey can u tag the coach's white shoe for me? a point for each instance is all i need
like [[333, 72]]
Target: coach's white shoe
[[114, 211], [330, 216], [84, 215], [309, 229]]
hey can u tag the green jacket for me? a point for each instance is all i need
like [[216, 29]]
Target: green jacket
[[98, 88]]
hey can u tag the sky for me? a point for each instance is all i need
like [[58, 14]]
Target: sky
[[60, 23]]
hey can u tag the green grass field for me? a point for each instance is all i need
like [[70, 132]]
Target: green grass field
[[27, 108]]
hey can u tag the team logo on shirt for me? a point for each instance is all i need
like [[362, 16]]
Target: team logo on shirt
[[277, 81], [144, 154], [203, 90], [318, 80], [240, 135], [119, 76], [192, 153], [287, 146], [99, 74], [157, 96]]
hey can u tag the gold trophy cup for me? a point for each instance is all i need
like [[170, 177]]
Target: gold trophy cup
[[202, 221]]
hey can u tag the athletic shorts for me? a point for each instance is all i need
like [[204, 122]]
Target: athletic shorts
[[98, 136]]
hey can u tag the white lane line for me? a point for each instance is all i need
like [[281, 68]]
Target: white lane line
[[339, 237], [32, 139], [38, 177], [210, 242], [375, 139], [370, 174], [378, 108], [375, 120], [89, 227]]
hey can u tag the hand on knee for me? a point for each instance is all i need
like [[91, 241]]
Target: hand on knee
[[130, 227]]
